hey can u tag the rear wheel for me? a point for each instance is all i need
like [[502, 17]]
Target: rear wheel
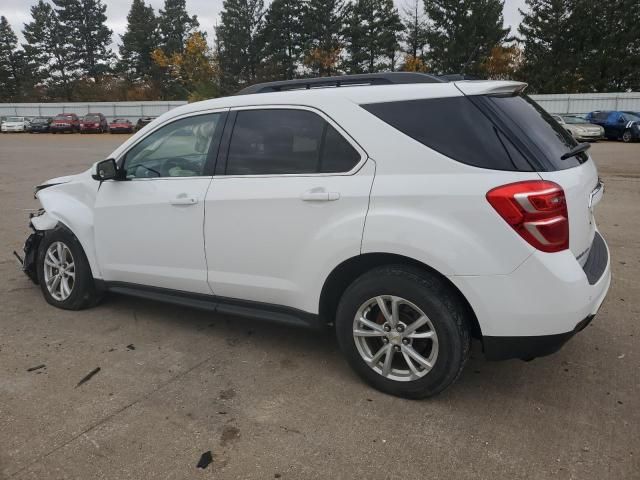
[[627, 137], [64, 273], [403, 331]]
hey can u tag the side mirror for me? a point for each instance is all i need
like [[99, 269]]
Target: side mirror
[[105, 170]]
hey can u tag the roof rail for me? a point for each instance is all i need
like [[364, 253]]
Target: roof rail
[[390, 78]]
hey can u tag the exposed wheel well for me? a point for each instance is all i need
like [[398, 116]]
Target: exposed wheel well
[[348, 271]]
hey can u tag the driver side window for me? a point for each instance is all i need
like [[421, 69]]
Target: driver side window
[[180, 149]]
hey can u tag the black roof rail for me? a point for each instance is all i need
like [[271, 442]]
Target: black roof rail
[[389, 78]]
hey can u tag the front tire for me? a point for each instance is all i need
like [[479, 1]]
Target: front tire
[[404, 331], [63, 271], [627, 137]]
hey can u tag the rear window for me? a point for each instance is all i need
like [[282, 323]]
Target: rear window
[[543, 140], [455, 127]]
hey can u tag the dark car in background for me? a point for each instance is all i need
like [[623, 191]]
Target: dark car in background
[[617, 125], [143, 122], [94, 122], [40, 125], [121, 125], [65, 122]]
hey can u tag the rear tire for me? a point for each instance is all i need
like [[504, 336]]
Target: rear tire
[[424, 361], [64, 273], [627, 137]]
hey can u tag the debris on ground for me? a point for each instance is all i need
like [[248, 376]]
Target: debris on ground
[[32, 369], [87, 377], [131, 346], [205, 460]]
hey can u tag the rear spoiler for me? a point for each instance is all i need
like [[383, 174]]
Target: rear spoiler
[[490, 87]]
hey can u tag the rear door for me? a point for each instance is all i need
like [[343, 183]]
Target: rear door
[[287, 204]]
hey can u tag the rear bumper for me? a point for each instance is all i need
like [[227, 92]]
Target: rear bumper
[[534, 310]]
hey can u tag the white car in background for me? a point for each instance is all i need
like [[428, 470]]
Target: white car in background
[[359, 206], [15, 124], [579, 128]]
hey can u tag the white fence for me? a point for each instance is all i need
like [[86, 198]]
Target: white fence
[[130, 110], [553, 103], [588, 102]]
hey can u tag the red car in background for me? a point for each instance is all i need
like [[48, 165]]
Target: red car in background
[[65, 122], [94, 122], [121, 125]]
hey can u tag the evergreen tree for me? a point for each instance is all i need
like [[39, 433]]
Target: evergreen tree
[[372, 34], [322, 42], [175, 26], [238, 42], [48, 49], [607, 44], [11, 62], [415, 27], [461, 33], [139, 42], [548, 62], [283, 38], [84, 24]]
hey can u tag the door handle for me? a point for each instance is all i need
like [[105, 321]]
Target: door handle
[[319, 196], [184, 199]]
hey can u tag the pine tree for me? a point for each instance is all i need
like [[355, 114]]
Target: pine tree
[[322, 37], [84, 23], [415, 26], [139, 41], [283, 37], [48, 49], [372, 34], [238, 42], [548, 57], [175, 26], [11, 62], [461, 33]]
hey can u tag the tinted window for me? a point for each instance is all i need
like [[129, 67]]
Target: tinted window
[[529, 124], [280, 141], [454, 127], [179, 149]]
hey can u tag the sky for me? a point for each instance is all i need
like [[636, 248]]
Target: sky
[[17, 12]]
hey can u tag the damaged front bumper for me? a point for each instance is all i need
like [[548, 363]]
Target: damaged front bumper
[[30, 251]]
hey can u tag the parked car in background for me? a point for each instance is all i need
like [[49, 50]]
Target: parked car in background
[[40, 125], [579, 128], [121, 125], [65, 122], [617, 125], [94, 122], [15, 124], [144, 121]]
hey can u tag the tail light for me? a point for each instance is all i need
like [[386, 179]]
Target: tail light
[[537, 210]]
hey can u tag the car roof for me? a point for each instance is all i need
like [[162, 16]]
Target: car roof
[[316, 97]]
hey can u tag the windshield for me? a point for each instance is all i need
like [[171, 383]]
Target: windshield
[[92, 118], [40, 120], [15, 119], [119, 120], [631, 118], [573, 119], [64, 117]]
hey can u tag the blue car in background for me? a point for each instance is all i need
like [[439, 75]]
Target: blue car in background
[[618, 125]]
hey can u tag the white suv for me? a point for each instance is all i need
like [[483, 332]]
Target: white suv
[[410, 212]]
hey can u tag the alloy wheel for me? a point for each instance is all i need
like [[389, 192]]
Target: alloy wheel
[[59, 271], [395, 338]]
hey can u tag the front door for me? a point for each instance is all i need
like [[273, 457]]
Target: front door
[[149, 226], [287, 204]]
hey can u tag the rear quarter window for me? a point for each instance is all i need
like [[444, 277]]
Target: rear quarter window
[[454, 127]]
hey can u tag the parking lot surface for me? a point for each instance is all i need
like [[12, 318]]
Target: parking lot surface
[[272, 402]]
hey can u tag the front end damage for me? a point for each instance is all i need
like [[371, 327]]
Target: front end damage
[[30, 251]]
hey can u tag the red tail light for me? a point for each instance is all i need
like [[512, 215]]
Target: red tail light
[[537, 210]]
